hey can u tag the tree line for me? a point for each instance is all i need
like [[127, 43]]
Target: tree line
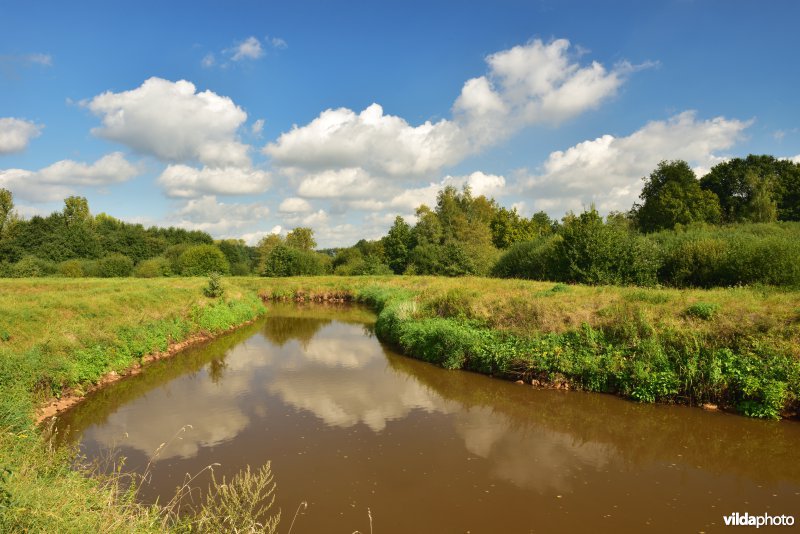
[[738, 224]]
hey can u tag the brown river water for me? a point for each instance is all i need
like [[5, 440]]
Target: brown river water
[[356, 430]]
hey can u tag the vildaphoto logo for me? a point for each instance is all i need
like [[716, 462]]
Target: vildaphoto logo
[[746, 520]]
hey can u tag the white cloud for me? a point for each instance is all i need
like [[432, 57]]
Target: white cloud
[[16, 134], [185, 181], [342, 153], [208, 214], [278, 43], [257, 127], [294, 205], [51, 183], [173, 122], [250, 48], [112, 168], [608, 170], [370, 140], [796, 159], [208, 61], [338, 183]]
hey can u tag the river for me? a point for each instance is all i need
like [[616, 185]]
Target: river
[[356, 430]]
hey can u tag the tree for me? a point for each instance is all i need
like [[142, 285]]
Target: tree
[[762, 206], [428, 230], [508, 228], [397, 245], [76, 210], [672, 195], [301, 238], [737, 183], [8, 216]]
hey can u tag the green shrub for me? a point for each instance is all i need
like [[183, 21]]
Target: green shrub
[[709, 256], [240, 268], [90, 268], [288, 261], [363, 266], [594, 252], [115, 265], [71, 269], [200, 260], [534, 260], [32, 267], [152, 268], [702, 310], [214, 288]]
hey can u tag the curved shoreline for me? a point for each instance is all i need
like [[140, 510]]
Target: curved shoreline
[[72, 396]]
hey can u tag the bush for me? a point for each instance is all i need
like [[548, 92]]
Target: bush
[[31, 267], [534, 260], [593, 252], [450, 259], [71, 269], [214, 288], [361, 266], [288, 261], [201, 260], [152, 268], [240, 268], [115, 265], [702, 310], [704, 256]]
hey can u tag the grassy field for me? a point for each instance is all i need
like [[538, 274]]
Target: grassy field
[[739, 348]]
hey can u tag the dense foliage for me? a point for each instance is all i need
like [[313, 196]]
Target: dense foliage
[[738, 224]]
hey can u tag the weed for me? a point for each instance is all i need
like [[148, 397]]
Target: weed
[[702, 310]]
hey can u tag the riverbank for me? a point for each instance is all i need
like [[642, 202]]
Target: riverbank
[[737, 349]]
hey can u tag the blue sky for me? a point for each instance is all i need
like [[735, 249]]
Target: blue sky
[[242, 118]]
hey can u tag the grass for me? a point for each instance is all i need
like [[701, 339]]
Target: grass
[[737, 347]]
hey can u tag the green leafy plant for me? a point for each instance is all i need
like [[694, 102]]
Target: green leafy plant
[[214, 288], [702, 310]]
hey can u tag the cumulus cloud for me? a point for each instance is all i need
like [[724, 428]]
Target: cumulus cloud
[[257, 127], [184, 181], [294, 205], [533, 83], [51, 183], [173, 122], [338, 183], [16, 134], [370, 140], [608, 170], [209, 215]]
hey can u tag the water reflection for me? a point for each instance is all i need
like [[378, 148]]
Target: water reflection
[[312, 390]]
